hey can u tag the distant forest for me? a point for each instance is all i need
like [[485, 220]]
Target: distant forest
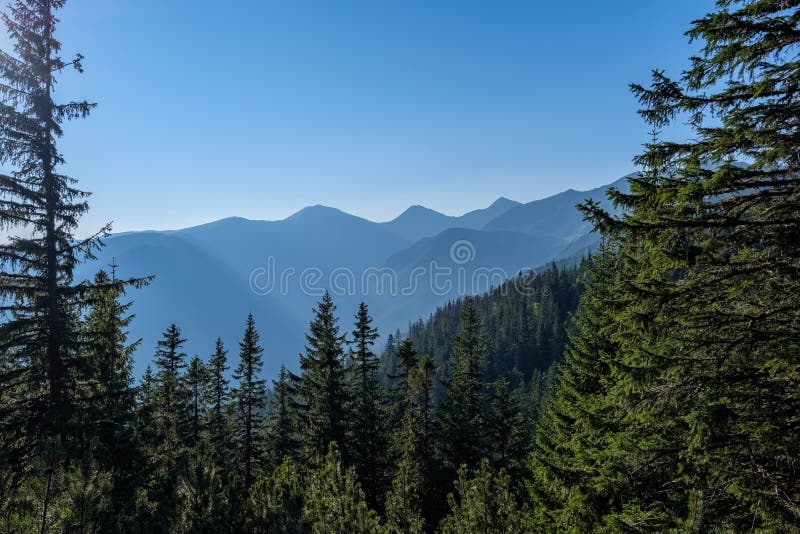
[[654, 387]]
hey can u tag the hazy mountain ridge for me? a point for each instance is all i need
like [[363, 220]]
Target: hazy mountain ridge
[[205, 274]]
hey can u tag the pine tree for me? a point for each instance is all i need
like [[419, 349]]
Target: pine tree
[[249, 397], [172, 396], [322, 388], [167, 452], [485, 504], [109, 418], [368, 432], [406, 359], [195, 383], [508, 433], [276, 501], [39, 339], [194, 490], [462, 440], [410, 505], [711, 253], [217, 396], [574, 460], [334, 501], [282, 442], [41, 364]]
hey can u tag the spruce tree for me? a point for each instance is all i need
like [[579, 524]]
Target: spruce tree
[[406, 359], [40, 299], [322, 387], [217, 396], [41, 362], [410, 505], [282, 441], [712, 253], [109, 416], [368, 440], [249, 397], [508, 433], [575, 463], [462, 439], [172, 395], [167, 447], [195, 383]]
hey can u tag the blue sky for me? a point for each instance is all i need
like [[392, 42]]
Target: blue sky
[[258, 108]]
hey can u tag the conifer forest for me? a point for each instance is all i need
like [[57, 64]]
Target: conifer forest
[[650, 384]]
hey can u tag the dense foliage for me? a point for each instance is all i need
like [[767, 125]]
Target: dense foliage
[[524, 321], [653, 387]]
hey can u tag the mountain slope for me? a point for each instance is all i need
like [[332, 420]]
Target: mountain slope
[[554, 214], [198, 292], [209, 277], [524, 322], [419, 222]]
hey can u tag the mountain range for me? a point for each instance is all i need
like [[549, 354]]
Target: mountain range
[[209, 277]]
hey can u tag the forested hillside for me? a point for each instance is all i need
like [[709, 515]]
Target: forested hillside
[[525, 321], [672, 397]]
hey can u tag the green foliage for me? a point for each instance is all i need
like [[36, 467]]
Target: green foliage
[[249, 398], [461, 421], [574, 460], [322, 387], [410, 503], [39, 211], [508, 433], [677, 409], [202, 504], [334, 502], [275, 503], [485, 503], [171, 394], [368, 433], [405, 501], [524, 323], [217, 396], [282, 440]]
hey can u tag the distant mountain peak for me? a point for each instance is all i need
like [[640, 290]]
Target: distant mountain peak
[[503, 202], [418, 209], [317, 210]]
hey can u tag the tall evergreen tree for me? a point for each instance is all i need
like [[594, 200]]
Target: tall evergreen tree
[[322, 388], [172, 396], [508, 434], [40, 340], [249, 397], [195, 383], [406, 359], [109, 419], [410, 504], [167, 441], [574, 459], [282, 441], [712, 254], [217, 396], [462, 440], [368, 439], [41, 364]]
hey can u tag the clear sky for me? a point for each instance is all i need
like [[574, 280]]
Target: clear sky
[[209, 109]]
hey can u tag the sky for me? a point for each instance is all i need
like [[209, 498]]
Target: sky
[[210, 109]]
